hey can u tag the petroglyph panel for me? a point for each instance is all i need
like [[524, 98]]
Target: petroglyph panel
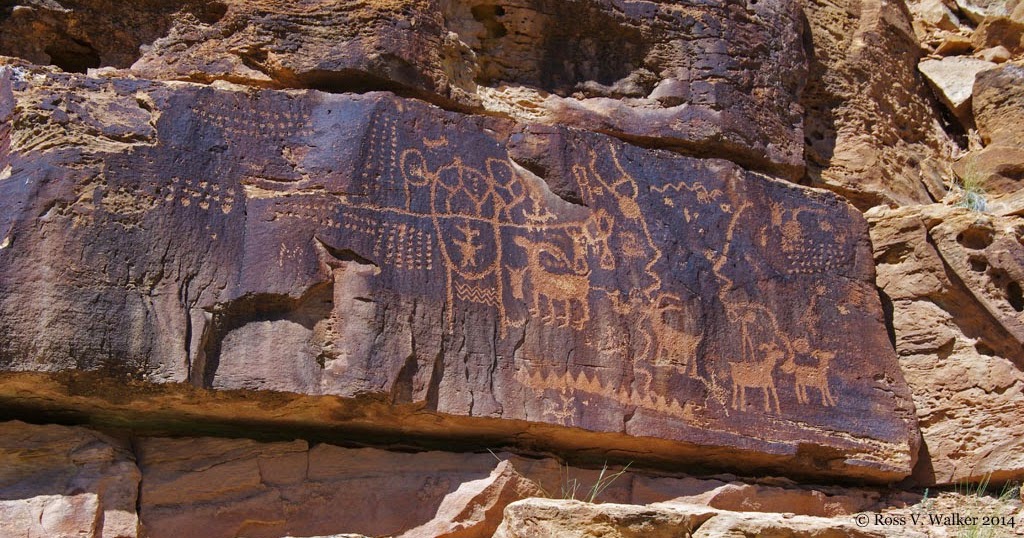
[[663, 296]]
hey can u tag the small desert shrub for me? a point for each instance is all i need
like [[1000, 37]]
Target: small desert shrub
[[572, 486], [972, 185], [983, 508]]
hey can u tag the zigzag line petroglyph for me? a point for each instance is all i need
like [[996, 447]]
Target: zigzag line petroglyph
[[476, 294], [583, 383]]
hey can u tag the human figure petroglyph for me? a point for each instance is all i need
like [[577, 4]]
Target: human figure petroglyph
[[467, 245], [595, 233], [554, 288], [815, 377], [758, 374]]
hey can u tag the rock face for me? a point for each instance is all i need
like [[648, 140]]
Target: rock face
[[953, 277], [60, 482], [538, 518], [236, 235], [77, 35], [70, 481], [226, 487], [718, 79], [379, 247], [872, 133]]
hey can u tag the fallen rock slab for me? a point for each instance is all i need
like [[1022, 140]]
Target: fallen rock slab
[[475, 509], [998, 105], [999, 31], [537, 518], [952, 79]]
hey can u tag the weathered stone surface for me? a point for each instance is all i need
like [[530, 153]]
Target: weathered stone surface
[[954, 45], [1000, 31], [232, 487], [378, 247], [977, 10], [741, 525], [225, 487], [478, 237], [77, 35], [58, 482], [872, 133], [996, 55], [539, 518], [953, 81], [744, 497], [954, 278], [691, 74], [719, 79], [999, 168], [998, 105], [475, 509], [935, 13]]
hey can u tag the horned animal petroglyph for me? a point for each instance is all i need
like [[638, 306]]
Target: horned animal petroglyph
[[756, 374], [555, 288], [805, 377]]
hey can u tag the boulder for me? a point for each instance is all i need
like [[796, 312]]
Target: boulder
[[809, 501], [997, 55], [718, 79], [954, 281], [952, 79], [425, 266], [66, 482], [537, 518], [978, 10], [935, 13], [999, 31], [872, 133], [998, 105], [475, 509], [540, 518], [954, 45], [998, 169]]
